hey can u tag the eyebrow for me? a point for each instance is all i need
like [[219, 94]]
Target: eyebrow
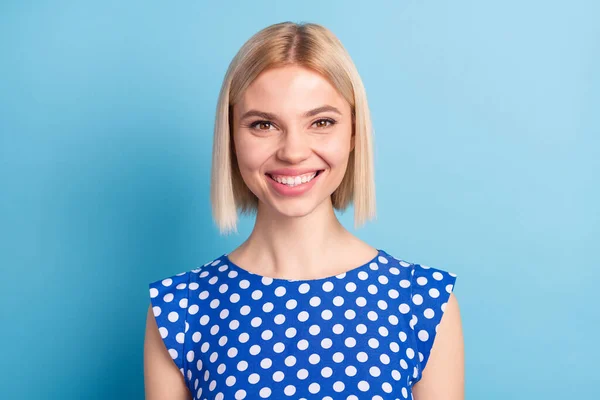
[[310, 113]]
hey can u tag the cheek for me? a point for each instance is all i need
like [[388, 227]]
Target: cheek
[[335, 151], [250, 155]]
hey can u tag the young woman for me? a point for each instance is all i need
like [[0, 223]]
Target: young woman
[[302, 309]]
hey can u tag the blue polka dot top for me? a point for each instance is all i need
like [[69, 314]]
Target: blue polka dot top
[[362, 334]]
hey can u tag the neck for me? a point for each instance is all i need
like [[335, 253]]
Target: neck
[[295, 247]]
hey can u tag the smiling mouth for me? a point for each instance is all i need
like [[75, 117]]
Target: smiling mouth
[[292, 181]]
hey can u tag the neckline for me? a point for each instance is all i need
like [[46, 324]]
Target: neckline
[[351, 271]]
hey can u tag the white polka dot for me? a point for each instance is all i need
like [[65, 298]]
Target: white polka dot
[[278, 347], [245, 310], [422, 280], [363, 386], [327, 286], [326, 372], [244, 284], [417, 299], [386, 387], [156, 310], [265, 392], [267, 307], [302, 374], [350, 286], [423, 335], [254, 349], [302, 316], [350, 370], [437, 276], [362, 275], [338, 301], [350, 342], [382, 260], [374, 371], [326, 315], [173, 316], [304, 288], [314, 388], [279, 319], [290, 361], [290, 332], [240, 394], [314, 330], [280, 291], [314, 358], [303, 344], [315, 301], [163, 332], [433, 292], [404, 308], [449, 288], [167, 282], [266, 363], [362, 356], [410, 353], [338, 328], [429, 313], [153, 292], [338, 357], [257, 294], [338, 386], [289, 390], [350, 314], [253, 378], [361, 301], [291, 304], [190, 356], [404, 283], [267, 334]]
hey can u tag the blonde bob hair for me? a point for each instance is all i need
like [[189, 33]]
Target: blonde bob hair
[[308, 45]]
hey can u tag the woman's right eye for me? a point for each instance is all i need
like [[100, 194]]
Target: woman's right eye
[[261, 125]]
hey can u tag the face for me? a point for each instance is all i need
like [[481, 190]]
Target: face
[[293, 135]]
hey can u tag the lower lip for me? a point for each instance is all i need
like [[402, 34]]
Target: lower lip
[[292, 191]]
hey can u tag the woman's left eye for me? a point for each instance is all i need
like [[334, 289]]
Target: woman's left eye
[[324, 123]]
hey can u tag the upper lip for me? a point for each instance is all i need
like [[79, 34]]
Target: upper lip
[[292, 171]]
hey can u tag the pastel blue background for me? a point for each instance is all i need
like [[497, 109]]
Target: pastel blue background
[[487, 165]]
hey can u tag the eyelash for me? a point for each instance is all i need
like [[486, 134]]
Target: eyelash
[[255, 124]]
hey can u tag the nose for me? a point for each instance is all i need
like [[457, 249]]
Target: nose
[[294, 147]]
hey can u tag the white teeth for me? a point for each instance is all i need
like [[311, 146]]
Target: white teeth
[[294, 180]]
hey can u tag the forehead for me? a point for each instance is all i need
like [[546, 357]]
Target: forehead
[[290, 90]]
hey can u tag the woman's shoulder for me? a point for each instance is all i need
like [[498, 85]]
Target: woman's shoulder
[[181, 279], [416, 269]]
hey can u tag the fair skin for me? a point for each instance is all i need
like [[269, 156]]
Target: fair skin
[[292, 118]]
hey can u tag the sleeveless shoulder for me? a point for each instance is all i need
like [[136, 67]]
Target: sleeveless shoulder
[[169, 300], [430, 291]]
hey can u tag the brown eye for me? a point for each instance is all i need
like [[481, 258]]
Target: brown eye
[[324, 123], [261, 125]]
